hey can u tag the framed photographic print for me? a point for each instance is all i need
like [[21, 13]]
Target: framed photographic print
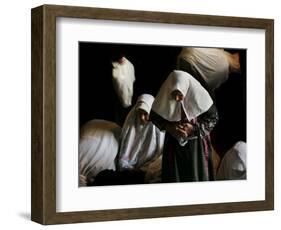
[[140, 114]]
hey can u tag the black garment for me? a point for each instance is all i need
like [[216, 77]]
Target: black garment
[[193, 161]]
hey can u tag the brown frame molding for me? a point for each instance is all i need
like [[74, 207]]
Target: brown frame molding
[[43, 160]]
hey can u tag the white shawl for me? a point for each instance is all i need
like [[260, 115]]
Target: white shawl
[[123, 76], [196, 99], [211, 63], [140, 144], [98, 147]]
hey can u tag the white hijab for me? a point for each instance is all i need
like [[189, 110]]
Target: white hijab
[[123, 76], [233, 165], [196, 99], [140, 144], [98, 147], [211, 63]]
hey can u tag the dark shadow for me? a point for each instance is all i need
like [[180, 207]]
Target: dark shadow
[[25, 215]]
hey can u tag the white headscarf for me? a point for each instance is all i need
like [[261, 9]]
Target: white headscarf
[[196, 99], [123, 76], [98, 147], [211, 63], [233, 165], [140, 143]]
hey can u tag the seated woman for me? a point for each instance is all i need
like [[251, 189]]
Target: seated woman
[[185, 110], [98, 147], [140, 141]]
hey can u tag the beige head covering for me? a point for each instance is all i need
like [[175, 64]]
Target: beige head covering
[[123, 76], [211, 63], [196, 99]]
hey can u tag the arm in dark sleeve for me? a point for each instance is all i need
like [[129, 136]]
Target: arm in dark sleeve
[[207, 121], [158, 121]]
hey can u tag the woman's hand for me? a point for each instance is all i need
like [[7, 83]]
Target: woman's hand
[[187, 127], [176, 130]]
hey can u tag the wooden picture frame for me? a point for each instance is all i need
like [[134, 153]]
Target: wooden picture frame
[[43, 208]]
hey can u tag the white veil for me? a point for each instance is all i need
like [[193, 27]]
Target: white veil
[[196, 99], [140, 144]]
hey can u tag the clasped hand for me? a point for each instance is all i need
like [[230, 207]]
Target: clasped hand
[[180, 129]]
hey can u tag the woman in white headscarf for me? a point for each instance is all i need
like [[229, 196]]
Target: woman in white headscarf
[[141, 141], [185, 110], [98, 147]]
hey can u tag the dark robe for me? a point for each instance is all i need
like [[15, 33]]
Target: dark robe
[[193, 161]]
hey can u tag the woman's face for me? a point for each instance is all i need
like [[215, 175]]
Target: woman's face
[[121, 60], [177, 95], [143, 116]]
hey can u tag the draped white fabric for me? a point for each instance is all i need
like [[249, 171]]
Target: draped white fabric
[[211, 63], [98, 147], [196, 99], [233, 165], [123, 76], [140, 143]]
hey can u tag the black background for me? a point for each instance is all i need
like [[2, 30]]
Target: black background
[[98, 100]]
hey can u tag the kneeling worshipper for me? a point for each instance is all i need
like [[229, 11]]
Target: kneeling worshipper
[[141, 142], [210, 66], [186, 111], [98, 147], [233, 164]]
